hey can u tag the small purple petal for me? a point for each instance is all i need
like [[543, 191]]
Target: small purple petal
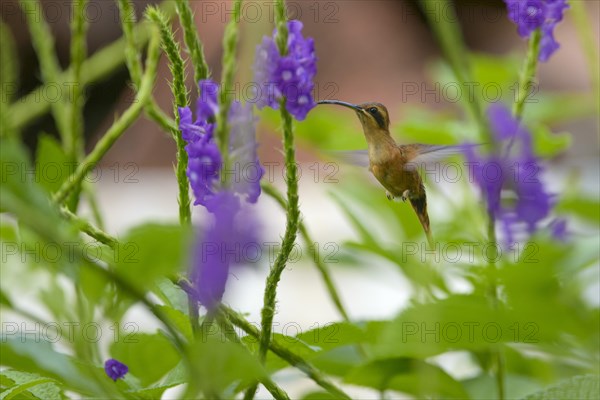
[[207, 105], [290, 76], [530, 15], [115, 369], [558, 228], [514, 166]]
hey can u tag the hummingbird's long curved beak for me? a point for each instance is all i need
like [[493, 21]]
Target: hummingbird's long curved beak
[[341, 103]]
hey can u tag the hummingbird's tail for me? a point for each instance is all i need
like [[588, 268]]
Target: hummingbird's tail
[[419, 204]]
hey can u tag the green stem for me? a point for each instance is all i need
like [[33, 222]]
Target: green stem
[[227, 328], [230, 40], [74, 147], [90, 229], [285, 354], [192, 41], [527, 78], [497, 353], [118, 127], [134, 64], [177, 65], [271, 191], [98, 66], [44, 46], [289, 237], [132, 57], [8, 77], [75, 142], [292, 214]]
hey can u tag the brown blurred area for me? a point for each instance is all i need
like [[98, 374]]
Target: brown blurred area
[[366, 50]]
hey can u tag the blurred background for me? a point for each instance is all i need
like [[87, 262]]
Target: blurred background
[[368, 50]]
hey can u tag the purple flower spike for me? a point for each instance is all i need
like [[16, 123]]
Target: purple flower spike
[[115, 369], [242, 150], [290, 76], [530, 15], [513, 166], [221, 246], [204, 156]]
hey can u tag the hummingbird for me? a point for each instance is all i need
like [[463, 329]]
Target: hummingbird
[[395, 166]]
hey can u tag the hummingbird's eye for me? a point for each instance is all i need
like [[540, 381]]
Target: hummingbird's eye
[[373, 110]]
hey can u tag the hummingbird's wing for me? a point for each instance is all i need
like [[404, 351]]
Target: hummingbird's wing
[[419, 155], [354, 157]]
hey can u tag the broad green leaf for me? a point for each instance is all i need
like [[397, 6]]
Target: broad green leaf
[[4, 300], [172, 294], [332, 335], [148, 356], [20, 194], [177, 376], [588, 209], [52, 164], [179, 319], [220, 364], [340, 360], [319, 396], [30, 386], [459, 322], [548, 144], [407, 375], [545, 300], [483, 387], [151, 251], [29, 354], [584, 387]]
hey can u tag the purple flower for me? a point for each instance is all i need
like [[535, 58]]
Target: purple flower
[[558, 229], [242, 151], [512, 166], [530, 15], [290, 76], [222, 245], [204, 157], [115, 369]]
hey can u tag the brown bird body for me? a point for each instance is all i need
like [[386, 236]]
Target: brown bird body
[[393, 165]]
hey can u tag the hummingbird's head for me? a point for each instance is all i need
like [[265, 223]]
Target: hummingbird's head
[[372, 116]]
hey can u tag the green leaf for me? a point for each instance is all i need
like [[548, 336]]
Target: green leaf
[[548, 144], [37, 356], [52, 164], [333, 335], [585, 387], [459, 322], [179, 319], [151, 251], [587, 209], [220, 363], [175, 377], [320, 396], [407, 375], [516, 386], [30, 386], [148, 356], [172, 294]]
